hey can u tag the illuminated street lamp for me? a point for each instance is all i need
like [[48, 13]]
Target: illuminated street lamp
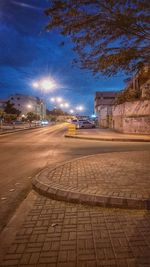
[[79, 108], [29, 106], [66, 105], [35, 84], [45, 84], [61, 105], [52, 99], [71, 111], [59, 99]]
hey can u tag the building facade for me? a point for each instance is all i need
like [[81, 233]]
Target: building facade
[[103, 107], [26, 104], [130, 111], [2, 104]]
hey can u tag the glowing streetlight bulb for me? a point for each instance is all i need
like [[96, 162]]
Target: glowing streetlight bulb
[[35, 84], [59, 99], [61, 105], [47, 84], [66, 105], [71, 111], [29, 106], [80, 108], [52, 99]]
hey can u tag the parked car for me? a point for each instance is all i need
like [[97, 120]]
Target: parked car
[[85, 125], [44, 122], [75, 122], [17, 122]]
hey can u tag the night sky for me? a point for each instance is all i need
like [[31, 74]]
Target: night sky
[[29, 53]]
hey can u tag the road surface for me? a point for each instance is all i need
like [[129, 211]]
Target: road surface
[[25, 153]]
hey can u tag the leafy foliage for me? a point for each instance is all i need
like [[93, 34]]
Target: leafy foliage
[[132, 92], [108, 35], [128, 95], [56, 112], [10, 109], [10, 117], [31, 116], [2, 113]]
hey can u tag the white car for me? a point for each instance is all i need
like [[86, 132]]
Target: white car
[[85, 125]]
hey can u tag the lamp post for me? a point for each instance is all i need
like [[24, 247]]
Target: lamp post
[[45, 85], [79, 109]]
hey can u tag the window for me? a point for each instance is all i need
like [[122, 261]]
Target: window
[[18, 98], [12, 98]]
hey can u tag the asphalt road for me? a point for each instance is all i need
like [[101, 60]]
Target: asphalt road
[[25, 153]]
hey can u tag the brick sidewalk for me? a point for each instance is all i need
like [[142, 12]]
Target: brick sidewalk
[[119, 179], [60, 234], [54, 233]]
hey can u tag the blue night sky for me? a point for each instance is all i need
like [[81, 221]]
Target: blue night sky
[[29, 53]]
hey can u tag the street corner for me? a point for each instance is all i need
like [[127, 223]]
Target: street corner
[[100, 180]]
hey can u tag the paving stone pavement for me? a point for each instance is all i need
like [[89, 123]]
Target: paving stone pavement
[[119, 179], [60, 234]]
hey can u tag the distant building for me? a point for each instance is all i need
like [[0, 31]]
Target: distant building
[[103, 107], [26, 104], [2, 104]]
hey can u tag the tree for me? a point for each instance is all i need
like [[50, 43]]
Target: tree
[[56, 112], [31, 116], [108, 35], [10, 117], [2, 113], [9, 109]]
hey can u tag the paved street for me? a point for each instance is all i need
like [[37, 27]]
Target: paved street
[[39, 221]]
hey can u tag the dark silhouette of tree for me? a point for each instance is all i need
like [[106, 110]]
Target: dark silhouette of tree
[[31, 116], [10, 109], [108, 35], [56, 112]]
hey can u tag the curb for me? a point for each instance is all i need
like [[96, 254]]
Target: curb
[[106, 139], [19, 130], [54, 191]]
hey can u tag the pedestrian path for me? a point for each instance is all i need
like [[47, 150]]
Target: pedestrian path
[[119, 179], [49, 232], [108, 135], [60, 234]]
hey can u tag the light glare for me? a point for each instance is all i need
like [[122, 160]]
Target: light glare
[[48, 84], [35, 84]]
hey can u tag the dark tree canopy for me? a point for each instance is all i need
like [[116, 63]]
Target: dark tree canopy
[[10, 109], [109, 35], [56, 112], [31, 116]]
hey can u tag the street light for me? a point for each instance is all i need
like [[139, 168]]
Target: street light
[[44, 85], [59, 99], [35, 84], [52, 99], [29, 106], [71, 111], [48, 84], [66, 105], [79, 108]]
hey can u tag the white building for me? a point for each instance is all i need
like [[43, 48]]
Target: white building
[[26, 104], [103, 107]]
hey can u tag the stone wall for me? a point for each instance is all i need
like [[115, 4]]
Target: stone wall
[[132, 117], [105, 117]]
